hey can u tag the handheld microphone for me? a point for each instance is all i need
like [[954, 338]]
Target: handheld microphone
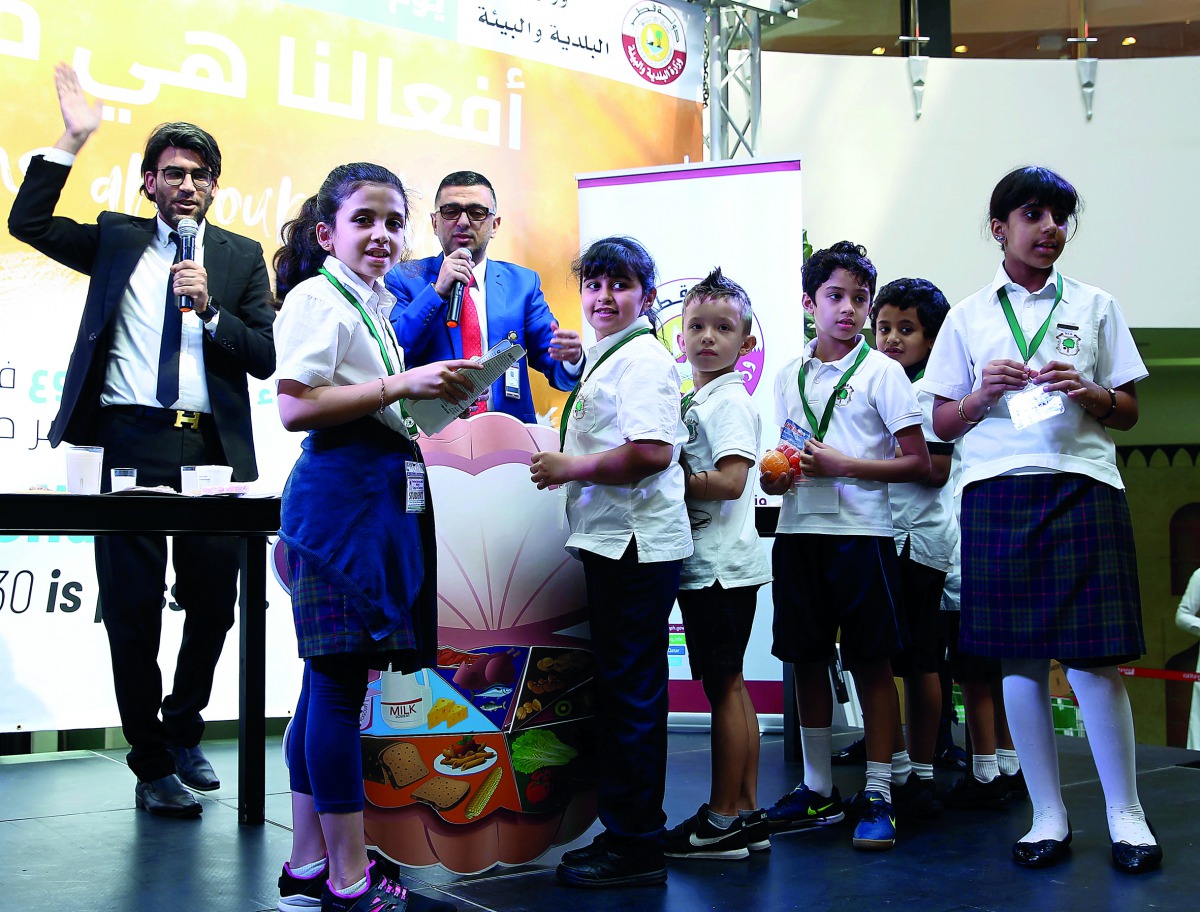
[[187, 229], [454, 308]]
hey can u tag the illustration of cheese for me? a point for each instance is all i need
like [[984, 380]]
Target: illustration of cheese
[[446, 710]]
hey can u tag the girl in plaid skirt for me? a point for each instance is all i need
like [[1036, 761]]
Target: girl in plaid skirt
[[355, 517], [1030, 371]]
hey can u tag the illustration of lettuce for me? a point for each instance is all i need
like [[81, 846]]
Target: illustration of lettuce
[[537, 748]]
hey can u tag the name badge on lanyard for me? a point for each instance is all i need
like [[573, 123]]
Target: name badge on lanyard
[[414, 476], [512, 383]]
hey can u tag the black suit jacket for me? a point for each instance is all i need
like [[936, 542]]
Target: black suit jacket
[[108, 251]]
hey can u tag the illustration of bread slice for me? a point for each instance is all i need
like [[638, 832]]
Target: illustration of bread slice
[[442, 793], [402, 765]]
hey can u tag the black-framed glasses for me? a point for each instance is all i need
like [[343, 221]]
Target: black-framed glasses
[[173, 177], [451, 213]]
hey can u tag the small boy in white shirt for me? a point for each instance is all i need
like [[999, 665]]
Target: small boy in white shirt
[[720, 581], [853, 412]]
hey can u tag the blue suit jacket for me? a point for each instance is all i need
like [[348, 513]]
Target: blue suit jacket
[[514, 305]]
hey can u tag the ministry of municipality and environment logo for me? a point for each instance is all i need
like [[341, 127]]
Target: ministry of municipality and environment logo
[[670, 333], [655, 45]]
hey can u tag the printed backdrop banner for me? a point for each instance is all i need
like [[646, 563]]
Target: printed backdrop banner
[[746, 218], [528, 92]]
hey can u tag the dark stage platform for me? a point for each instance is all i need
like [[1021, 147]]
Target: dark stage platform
[[70, 839]]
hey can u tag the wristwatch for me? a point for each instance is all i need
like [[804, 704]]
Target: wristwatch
[[209, 312]]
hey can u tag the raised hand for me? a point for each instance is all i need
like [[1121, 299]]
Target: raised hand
[[80, 119]]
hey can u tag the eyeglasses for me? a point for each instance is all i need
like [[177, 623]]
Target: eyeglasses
[[173, 177], [451, 212]]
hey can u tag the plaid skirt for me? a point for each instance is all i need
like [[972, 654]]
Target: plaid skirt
[[1049, 570], [328, 624]]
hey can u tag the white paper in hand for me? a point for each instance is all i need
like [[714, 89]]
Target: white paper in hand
[[432, 415]]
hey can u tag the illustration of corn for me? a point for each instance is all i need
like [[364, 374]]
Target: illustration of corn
[[484, 794]]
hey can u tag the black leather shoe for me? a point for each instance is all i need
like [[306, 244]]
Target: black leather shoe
[[608, 869], [1042, 854], [194, 769], [595, 849], [166, 797], [1137, 859]]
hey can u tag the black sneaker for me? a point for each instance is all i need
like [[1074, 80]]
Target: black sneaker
[[803, 809], [641, 867], [917, 799], [967, 792], [853, 753], [758, 831], [699, 837], [382, 895], [596, 848], [301, 894], [1017, 790]]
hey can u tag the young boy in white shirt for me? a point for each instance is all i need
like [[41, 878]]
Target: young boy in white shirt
[[720, 581], [854, 413]]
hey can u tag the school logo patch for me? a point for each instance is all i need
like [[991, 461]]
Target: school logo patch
[[844, 395], [1067, 342]]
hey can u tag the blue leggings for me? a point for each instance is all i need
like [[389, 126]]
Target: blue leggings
[[323, 752]]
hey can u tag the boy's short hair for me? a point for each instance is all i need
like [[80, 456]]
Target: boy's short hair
[[922, 294], [715, 285], [842, 255]]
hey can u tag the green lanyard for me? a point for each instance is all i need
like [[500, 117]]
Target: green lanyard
[[409, 423], [1017, 332], [562, 425], [820, 429]]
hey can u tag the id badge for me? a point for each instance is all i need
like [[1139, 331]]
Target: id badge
[[414, 477], [512, 383], [816, 495], [1032, 405]]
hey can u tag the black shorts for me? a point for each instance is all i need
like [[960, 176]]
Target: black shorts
[[717, 623], [964, 667], [826, 582], [922, 593]]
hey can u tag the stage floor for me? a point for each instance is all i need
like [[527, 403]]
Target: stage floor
[[71, 839]]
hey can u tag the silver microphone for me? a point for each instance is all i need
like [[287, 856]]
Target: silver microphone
[[187, 229]]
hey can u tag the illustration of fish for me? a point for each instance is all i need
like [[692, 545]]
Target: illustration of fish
[[491, 706], [496, 691]]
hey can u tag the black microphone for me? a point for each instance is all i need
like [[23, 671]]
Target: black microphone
[[454, 308], [187, 229]]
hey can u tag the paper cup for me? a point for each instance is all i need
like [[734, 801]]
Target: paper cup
[[85, 466], [123, 478]]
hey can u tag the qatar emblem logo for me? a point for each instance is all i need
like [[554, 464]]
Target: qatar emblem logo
[[654, 42]]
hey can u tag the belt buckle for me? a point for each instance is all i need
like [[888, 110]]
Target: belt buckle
[[187, 419]]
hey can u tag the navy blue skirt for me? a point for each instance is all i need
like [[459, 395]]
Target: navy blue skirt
[[1049, 571]]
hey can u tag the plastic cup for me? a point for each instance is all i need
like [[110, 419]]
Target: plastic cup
[[85, 467], [188, 480], [123, 478]]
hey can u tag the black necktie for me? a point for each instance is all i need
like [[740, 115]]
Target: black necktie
[[172, 331]]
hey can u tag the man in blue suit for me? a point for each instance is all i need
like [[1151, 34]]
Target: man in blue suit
[[506, 299]]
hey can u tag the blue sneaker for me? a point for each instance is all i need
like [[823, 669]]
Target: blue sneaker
[[876, 831], [803, 809]]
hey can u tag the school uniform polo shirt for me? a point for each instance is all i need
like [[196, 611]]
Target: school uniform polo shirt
[[1087, 331], [722, 421], [321, 338], [878, 402], [924, 516], [633, 395]]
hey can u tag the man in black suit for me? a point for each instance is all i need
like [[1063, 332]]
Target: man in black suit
[[158, 389]]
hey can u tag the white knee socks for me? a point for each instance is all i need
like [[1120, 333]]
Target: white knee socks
[[1027, 702]]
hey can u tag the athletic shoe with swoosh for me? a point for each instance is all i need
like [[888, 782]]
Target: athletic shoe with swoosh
[[803, 809], [699, 837], [876, 831]]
